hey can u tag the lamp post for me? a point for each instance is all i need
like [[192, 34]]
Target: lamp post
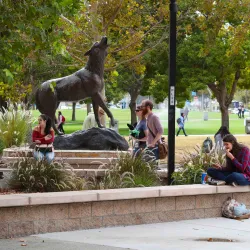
[[171, 90]]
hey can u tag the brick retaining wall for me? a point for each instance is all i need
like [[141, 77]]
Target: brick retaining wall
[[27, 214]]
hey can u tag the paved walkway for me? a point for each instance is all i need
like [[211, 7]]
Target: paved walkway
[[182, 235]]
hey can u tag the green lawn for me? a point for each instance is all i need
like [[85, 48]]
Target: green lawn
[[194, 126]]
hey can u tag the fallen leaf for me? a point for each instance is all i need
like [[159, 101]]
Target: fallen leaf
[[23, 245]]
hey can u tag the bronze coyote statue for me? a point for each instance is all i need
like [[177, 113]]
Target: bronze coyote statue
[[86, 82]]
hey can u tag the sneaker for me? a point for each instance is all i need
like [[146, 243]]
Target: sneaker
[[234, 184], [216, 182]]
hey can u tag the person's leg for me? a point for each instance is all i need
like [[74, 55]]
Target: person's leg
[[184, 131], [155, 150], [62, 129], [49, 156], [238, 178], [218, 174], [178, 131], [38, 155]]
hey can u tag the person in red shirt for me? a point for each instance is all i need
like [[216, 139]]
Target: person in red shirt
[[43, 136], [237, 170]]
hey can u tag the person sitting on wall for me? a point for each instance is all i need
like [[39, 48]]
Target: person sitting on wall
[[90, 121], [237, 170], [43, 137]]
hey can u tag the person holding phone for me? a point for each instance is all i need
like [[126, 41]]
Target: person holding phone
[[237, 169], [43, 137]]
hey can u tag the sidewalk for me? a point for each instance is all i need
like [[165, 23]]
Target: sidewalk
[[182, 235]]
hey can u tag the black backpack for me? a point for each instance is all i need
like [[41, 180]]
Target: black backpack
[[207, 145], [178, 120]]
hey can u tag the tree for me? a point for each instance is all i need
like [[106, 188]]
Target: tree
[[216, 49], [128, 25], [27, 29]]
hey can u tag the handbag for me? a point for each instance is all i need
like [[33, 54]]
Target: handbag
[[44, 148], [162, 146]]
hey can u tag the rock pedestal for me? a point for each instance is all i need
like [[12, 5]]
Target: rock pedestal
[[93, 139]]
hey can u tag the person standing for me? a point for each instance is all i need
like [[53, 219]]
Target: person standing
[[90, 121], [186, 111], [141, 127], [154, 126], [60, 120], [237, 170], [242, 111], [43, 137], [239, 111], [181, 125]]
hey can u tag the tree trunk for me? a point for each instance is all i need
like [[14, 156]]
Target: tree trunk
[[225, 96], [132, 106], [74, 111], [224, 117]]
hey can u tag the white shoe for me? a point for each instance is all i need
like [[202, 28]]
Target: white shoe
[[217, 182]]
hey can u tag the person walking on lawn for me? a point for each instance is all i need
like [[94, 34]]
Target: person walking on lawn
[[181, 125], [237, 170], [154, 126]]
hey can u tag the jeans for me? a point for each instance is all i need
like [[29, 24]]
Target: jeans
[[155, 150], [228, 177], [49, 156], [181, 128], [60, 128]]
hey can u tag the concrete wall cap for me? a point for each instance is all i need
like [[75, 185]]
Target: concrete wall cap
[[115, 194]]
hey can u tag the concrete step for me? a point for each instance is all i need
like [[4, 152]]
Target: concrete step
[[75, 162], [22, 151], [79, 172]]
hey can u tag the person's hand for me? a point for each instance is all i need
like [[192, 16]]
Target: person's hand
[[229, 155], [37, 141], [151, 145], [216, 165], [48, 137]]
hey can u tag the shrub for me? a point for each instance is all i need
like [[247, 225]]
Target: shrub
[[194, 164], [14, 124], [126, 172], [29, 175]]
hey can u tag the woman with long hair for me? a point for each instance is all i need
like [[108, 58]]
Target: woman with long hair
[[43, 137], [223, 130], [237, 170]]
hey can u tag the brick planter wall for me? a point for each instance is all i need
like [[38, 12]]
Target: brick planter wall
[[55, 213]]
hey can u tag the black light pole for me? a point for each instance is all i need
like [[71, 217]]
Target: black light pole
[[171, 90]]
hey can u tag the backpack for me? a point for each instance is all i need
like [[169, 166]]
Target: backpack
[[234, 210], [63, 119], [178, 120], [207, 145]]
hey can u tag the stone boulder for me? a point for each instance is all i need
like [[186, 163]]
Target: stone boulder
[[92, 139]]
